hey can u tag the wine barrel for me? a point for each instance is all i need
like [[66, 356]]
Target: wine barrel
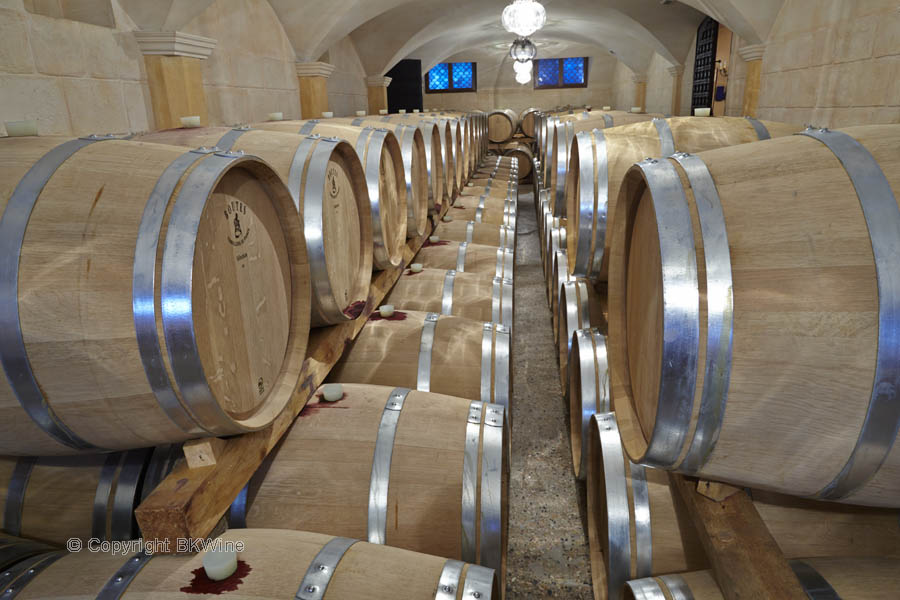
[[524, 158], [844, 578], [665, 541], [502, 124], [14, 550], [436, 479], [793, 332], [588, 387], [580, 306], [413, 349], [382, 159], [486, 209], [326, 179], [445, 142], [456, 138], [601, 159], [527, 121], [272, 564], [501, 236], [559, 275], [495, 188], [416, 169], [564, 135], [476, 296], [54, 499], [468, 258], [97, 227], [554, 241]]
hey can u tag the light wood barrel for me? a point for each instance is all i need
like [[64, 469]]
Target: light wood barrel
[[382, 160], [524, 157], [601, 158], [580, 306], [494, 187], [476, 296], [272, 564], [588, 391], [485, 209], [559, 275], [501, 236], [502, 124], [92, 360], [664, 539], [445, 142], [798, 338], [564, 135], [527, 121], [436, 479], [431, 352], [326, 179], [554, 241], [845, 578], [469, 258], [54, 499]]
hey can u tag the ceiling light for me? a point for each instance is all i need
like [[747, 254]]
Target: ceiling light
[[522, 50], [523, 77], [522, 67], [524, 17]]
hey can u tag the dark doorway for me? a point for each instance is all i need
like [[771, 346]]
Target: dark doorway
[[405, 91], [705, 64]]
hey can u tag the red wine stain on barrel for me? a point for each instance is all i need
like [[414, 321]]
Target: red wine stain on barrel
[[460, 207], [355, 309], [429, 243], [313, 408], [410, 272], [397, 316], [201, 584]]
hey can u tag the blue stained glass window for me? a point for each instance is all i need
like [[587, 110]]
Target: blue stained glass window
[[573, 71], [439, 77], [548, 72], [462, 75]]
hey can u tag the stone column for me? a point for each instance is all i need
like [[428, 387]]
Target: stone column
[[313, 77], [752, 55], [640, 91], [376, 86], [174, 62], [677, 73]]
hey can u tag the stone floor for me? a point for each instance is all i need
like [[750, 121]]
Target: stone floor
[[548, 548]]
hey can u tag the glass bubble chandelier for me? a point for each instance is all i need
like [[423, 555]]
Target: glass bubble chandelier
[[522, 67], [523, 77], [524, 17], [522, 50]]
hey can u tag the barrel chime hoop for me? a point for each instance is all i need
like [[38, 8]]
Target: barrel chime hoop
[[501, 366], [720, 311], [176, 290], [608, 120], [879, 430], [761, 131], [321, 570], [505, 263], [126, 499], [681, 319], [677, 587], [118, 583], [666, 141], [470, 230], [370, 154], [359, 121], [645, 589], [448, 583], [601, 210], [227, 141], [447, 293], [589, 391], [507, 237], [386, 118], [308, 127], [100, 509], [470, 482], [381, 466], [617, 512], [492, 465], [423, 374], [815, 586], [13, 354], [406, 135], [479, 582], [461, 257], [24, 573], [15, 495], [487, 344], [479, 212], [586, 201], [562, 166], [643, 538]]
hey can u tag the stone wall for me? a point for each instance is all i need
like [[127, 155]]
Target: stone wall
[[347, 85], [659, 86]]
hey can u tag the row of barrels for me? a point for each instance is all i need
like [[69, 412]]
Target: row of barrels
[[742, 283], [175, 276], [408, 456]]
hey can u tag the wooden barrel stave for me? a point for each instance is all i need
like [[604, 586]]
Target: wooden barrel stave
[[92, 367], [465, 257], [500, 236], [486, 209], [580, 306]]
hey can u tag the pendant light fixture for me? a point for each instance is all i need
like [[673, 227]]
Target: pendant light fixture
[[524, 17], [522, 50]]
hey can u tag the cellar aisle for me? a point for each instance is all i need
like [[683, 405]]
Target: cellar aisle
[[548, 548]]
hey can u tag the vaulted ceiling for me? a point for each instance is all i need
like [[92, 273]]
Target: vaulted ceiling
[[387, 31]]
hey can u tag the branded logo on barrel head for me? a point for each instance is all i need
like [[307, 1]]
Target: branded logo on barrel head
[[238, 222], [261, 386], [331, 178]]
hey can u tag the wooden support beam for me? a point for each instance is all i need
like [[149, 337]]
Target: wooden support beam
[[746, 560], [190, 502]]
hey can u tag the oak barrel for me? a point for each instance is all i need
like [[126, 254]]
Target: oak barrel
[[527, 121], [105, 340], [465, 257], [414, 470], [272, 565], [663, 539], [588, 374], [444, 141], [795, 319], [502, 124], [601, 158], [326, 179], [501, 236], [382, 160], [524, 157], [431, 353], [580, 306], [485, 209], [476, 296]]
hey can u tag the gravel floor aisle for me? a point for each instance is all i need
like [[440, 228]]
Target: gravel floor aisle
[[548, 548]]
